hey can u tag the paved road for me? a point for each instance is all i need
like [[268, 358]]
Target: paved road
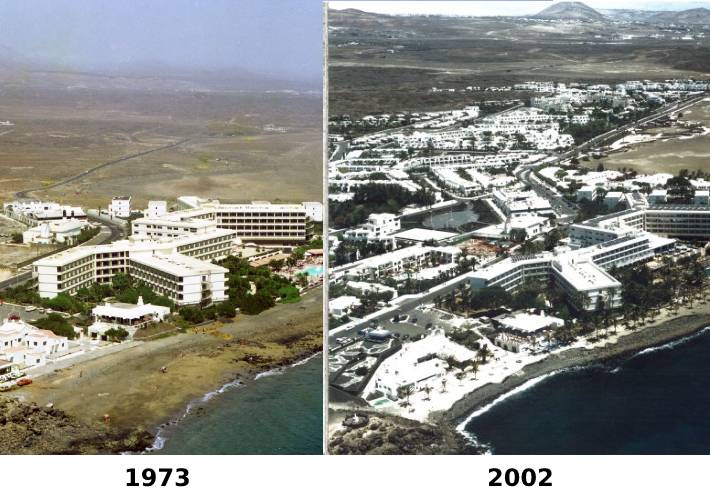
[[561, 205], [73, 178], [341, 150]]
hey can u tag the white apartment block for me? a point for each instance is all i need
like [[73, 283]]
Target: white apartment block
[[398, 262], [175, 224], [677, 221], [606, 242], [578, 273], [177, 267], [379, 226], [120, 206]]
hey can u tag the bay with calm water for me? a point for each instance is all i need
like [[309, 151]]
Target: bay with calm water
[[655, 402]]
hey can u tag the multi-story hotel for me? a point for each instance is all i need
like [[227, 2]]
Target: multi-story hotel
[[258, 222], [602, 243], [581, 274], [673, 220], [176, 267]]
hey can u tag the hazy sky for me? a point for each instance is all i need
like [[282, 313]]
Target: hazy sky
[[501, 8], [275, 37]]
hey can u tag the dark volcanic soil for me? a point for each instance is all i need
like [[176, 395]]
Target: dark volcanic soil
[[30, 429]]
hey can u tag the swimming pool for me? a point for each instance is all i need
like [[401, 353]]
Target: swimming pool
[[314, 270]]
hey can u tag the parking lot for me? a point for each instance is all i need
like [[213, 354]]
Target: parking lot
[[7, 309]]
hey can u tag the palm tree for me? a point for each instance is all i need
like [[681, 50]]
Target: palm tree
[[405, 391], [474, 368], [483, 353], [427, 389]]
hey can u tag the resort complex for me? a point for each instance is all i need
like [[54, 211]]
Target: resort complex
[[139, 268], [467, 244]]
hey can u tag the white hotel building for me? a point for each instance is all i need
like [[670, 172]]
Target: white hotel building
[[673, 220], [257, 222], [178, 268], [580, 272], [602, 243]]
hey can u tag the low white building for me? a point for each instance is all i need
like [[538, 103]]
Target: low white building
[[59, 232], [342, 305], [514, 203], [28, 346], [399, 262], [418, 364], [33, 212], [128, 316]]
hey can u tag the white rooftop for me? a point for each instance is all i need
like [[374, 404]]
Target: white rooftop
[[421, 235]]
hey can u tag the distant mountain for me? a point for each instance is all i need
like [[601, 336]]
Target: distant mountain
[[564, 11], [691, 16]]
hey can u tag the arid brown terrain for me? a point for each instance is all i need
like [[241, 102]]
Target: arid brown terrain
[[67, 123]]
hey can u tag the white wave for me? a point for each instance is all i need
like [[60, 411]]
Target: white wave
[[306, 360], [278, 371], [461, 428], [672, 344], [227, 386], [158, 443]]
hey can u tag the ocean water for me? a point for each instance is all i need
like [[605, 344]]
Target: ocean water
[[281, 412], [655, 402]]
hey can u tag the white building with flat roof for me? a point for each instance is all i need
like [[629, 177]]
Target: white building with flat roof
[[156, 209], [177, 267], [514, 203], [33, 212], [405, 260], [28, 346], [120, 206], [261, 222], [379, 226]]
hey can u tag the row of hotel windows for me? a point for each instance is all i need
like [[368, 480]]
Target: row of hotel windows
[[232, 214]]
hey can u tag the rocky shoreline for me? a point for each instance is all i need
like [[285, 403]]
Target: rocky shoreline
[[387, 434], [31, 429], [144, 387]]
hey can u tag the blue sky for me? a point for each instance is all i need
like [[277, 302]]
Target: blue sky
[[274, 37], [501, 8]]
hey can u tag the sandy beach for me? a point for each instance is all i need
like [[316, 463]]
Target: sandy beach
[[662, 331], [129, 386]]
